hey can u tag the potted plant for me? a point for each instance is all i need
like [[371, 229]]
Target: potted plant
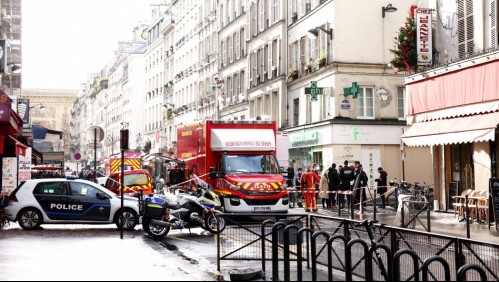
[[308, 67], [294, 16], [321, 60], [293, 73]]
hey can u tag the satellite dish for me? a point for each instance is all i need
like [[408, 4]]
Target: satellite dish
[[95, 133]]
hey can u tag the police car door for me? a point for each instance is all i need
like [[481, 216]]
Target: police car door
[[54, 199], [90, 206]]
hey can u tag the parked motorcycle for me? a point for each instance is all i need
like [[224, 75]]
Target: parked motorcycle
[[195, 208]]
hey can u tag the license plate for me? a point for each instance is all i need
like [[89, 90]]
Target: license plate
[[265, 208]]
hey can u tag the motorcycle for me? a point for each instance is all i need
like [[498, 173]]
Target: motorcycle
[[198, 207]]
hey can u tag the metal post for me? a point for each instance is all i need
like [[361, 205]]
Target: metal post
[[428, 215], [402, 213], [467, 217], [95, 156], [351, 204], [375, 202], [122, 190]]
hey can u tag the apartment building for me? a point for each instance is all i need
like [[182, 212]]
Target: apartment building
[[266, 60], [334, 50], [230, 83]]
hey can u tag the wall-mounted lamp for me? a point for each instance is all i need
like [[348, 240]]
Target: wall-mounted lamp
[[388, 8], [39, 105], [315, 32], [168, 104]]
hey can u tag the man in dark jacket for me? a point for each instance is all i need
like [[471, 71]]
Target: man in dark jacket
[[345, 178], [382, 185], [361, 183], [333, 185]]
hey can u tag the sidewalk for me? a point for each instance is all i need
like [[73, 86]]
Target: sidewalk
[[441, 222]]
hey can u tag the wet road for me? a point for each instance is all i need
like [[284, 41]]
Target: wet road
[[89, 252]]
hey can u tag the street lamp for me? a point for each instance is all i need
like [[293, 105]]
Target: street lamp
[[39, 105], [315, 32]]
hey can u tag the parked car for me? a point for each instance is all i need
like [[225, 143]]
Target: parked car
[[63, 201]]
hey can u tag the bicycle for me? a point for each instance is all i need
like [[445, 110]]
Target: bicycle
[[368, 224]]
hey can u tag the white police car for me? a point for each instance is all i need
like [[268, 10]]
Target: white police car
[[58, 200]]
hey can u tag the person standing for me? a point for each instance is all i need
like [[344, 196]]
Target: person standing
[[361, 184], [382, 186], [324, 189], [309, 180], [345, 177], [333, 185]]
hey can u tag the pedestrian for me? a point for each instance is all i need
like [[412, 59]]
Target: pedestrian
[[345, 177], [360, 178], [324, 189], [382, 186], [333, 185], [297, 177], [308, 181]]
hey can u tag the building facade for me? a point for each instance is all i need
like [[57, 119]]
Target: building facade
[[453, 105], [327, 50]]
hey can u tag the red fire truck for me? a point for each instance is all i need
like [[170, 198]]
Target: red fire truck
[[237, 158]]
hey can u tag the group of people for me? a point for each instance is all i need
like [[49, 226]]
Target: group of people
[[331, 184]]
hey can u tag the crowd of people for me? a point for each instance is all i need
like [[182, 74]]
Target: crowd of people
[[331, 185]]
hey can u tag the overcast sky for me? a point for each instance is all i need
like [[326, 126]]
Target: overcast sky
[[65, 40]]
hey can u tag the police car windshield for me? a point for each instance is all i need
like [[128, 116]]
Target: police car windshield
[[136, 179]]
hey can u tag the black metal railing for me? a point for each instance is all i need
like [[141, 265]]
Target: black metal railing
[[328, 248]]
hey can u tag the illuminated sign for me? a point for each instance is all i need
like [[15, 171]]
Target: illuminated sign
[[305, 138]]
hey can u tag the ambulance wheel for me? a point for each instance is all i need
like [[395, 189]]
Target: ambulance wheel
[[29, 218], [130, 219], [155, 231]]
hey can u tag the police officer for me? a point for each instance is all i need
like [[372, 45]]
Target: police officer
[[345, 178]]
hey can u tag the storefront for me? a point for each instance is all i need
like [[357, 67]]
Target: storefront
[[374, 145], [11, 126], [455, 115]]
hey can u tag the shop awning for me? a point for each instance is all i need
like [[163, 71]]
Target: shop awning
[[2, 141], [476, 128], [20, 147]]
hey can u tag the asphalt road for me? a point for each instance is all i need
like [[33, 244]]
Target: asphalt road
[[89, 252]]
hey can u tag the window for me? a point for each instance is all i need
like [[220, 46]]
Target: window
[[83, 190], [238, 45], [365, 103], [401, 102], [51, 188], [261, 14], [275, 11], [296, 112], [231, 49], [465, 27]]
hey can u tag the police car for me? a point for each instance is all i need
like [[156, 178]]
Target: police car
[[49, 201]]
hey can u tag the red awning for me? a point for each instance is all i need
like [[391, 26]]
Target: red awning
[[11, 123], [20, 147]]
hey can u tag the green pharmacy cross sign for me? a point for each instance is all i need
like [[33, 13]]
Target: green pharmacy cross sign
[[313, 90], [354, 90]]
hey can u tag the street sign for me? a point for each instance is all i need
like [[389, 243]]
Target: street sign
[[77, 156], [313, 90]]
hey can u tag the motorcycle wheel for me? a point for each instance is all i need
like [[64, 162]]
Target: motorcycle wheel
[[156, 232], [211, 223]]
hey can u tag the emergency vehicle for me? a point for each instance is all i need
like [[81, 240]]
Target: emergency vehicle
[[114, 164], [135, 179], [237, 158]]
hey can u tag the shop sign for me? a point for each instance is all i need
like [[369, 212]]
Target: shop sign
[[305, 138], [5, 106], [9, 175], [424, 44], [25, 166]]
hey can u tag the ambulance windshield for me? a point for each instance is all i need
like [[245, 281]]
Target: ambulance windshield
[[253, 164]]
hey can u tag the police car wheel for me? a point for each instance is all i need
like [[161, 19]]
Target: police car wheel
[[130, 219], [29, 219]]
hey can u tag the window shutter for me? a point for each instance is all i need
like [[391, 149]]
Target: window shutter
[[493, 23], [269, 56], [466, 27]]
